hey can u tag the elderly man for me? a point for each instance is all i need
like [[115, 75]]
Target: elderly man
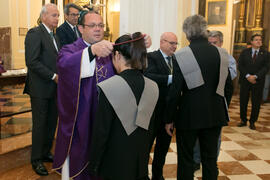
[[160, 70], [68, 31], [216, 39], [199, 78], [41, 48], [81, 66]]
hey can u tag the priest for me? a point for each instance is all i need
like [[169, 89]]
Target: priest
[[81, 65]]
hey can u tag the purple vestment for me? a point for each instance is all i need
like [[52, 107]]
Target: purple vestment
[[77, 102]]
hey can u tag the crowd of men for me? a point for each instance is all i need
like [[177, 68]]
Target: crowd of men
[[194, 84]]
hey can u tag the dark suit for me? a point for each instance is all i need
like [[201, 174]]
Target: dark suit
[[40, 55], [201, 114], [258, 67], [158, 70], [113, 154], [66, 34]]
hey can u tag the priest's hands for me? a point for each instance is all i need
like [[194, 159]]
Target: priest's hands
[[102, 49], [169, 129]]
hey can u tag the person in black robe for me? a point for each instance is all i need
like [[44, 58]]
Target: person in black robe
[[121, 135]]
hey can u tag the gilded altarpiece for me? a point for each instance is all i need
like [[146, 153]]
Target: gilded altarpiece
[[250, 21]]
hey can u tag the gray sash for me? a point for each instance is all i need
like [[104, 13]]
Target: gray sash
[[123, 101], [192, 72], [223, 71], [189, 67]]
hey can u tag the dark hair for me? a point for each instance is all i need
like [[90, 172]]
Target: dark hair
[[134, 52], [255, 35], [71, 5], [81, 18]]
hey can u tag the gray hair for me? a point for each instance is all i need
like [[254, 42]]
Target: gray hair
[[71, 5], [216, 34], [195, 26], [44, 9]]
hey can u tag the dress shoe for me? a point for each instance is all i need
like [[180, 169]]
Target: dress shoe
[[252, 126], [242, 124], [39, 168], [48, 158], [196, 167]]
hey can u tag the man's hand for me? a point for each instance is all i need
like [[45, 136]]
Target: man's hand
[[102, 49], [56, 79], [252, 79], [147, 41], [169, 129]]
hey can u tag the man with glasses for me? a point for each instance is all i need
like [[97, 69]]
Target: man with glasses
[[81, 65], [160, 70], [68, 31]]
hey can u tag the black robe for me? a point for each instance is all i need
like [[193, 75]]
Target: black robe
[[114, 154]]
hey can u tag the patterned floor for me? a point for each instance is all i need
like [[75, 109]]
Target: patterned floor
[[245, 153]]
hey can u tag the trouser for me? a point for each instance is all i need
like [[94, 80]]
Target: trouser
[[208, 139], [163, 141], [197, 153], [44, 117], [162, 145], [256, 97]]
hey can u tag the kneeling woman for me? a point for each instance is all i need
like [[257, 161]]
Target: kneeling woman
[[122, 128]]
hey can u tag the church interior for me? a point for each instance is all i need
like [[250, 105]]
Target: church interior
[[245, 153]]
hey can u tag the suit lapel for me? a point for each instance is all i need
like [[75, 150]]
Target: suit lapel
[[48, 37], [57, 42], [163, 63], [70, 31]]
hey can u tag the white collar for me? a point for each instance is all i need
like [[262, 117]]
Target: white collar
[[163, 54], [48, 29], [70, 25], [253, 50]]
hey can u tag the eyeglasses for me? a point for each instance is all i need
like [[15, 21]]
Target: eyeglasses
[[94, 25], [74, 15], [171, 43]]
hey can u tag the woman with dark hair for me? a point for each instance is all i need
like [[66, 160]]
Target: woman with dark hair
[[122, 129]]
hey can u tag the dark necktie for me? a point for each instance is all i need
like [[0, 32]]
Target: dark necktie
[[75, 31], [169, 60], [254, 55], [54, 42]]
